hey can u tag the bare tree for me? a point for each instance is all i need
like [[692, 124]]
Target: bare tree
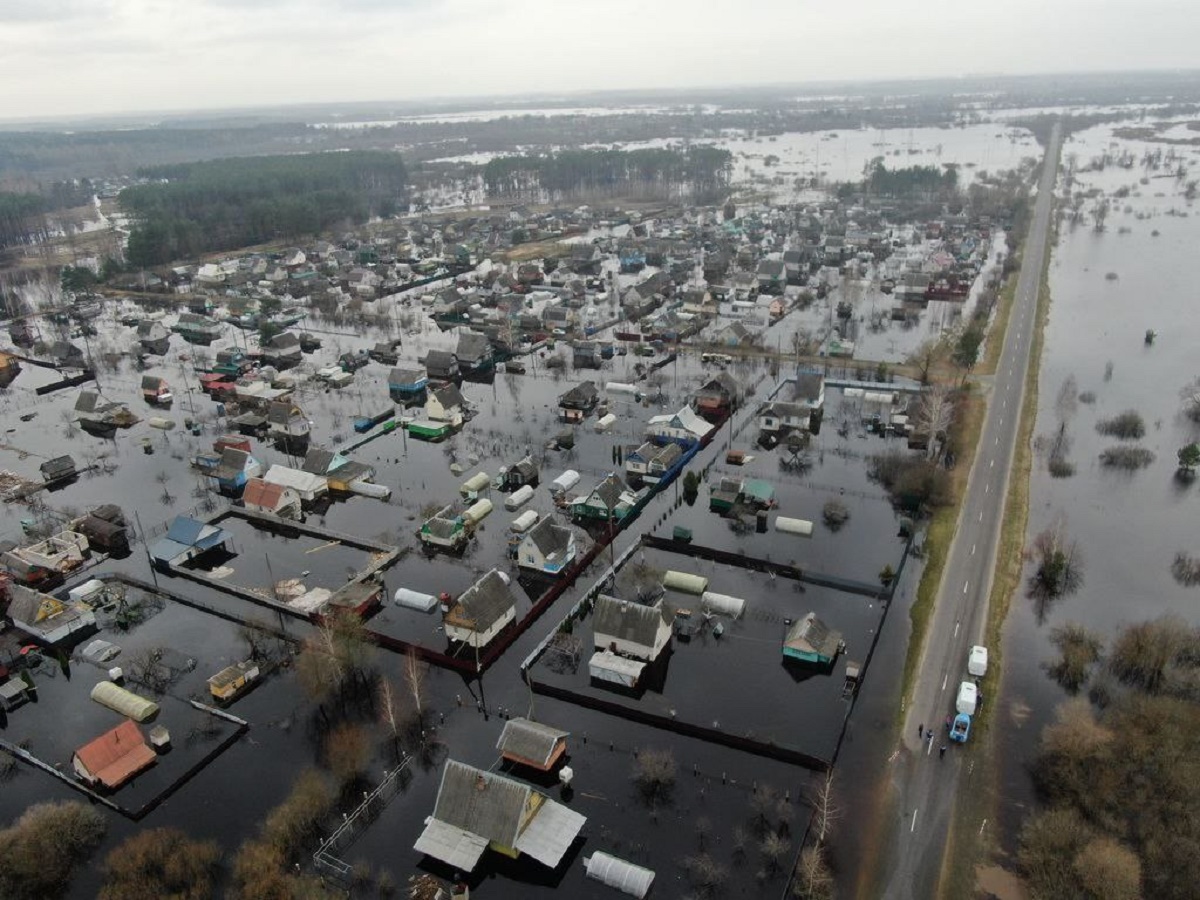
[[415, 670], [935, 415], [654, 774]]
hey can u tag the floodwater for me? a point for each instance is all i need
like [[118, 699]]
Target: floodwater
[[1128, 525]]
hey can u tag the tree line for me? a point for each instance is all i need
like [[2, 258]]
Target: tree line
[[697, 172], [194, 208], [23, 213]]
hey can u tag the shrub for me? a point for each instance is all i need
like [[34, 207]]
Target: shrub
[[1079, 650], [1128, 458], [1186, 569], [654, 774], [348, 751], [1128, 426], [39, 852], [836, 514], [160, 862]]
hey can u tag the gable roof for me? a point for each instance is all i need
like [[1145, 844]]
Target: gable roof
[[473, 804], [549, 537], [193, 533], [449, 396], [627, 621], [581, 394], [472, 345], [482, 803], [116, 756], [811, 635], [608, 492], [808, 386], [484, 602], [262, 494], [529, 740]]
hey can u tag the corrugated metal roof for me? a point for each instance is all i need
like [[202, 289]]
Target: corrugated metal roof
[[529, 740], [550, 835], [488, 805], [451, 845], [627, 621]]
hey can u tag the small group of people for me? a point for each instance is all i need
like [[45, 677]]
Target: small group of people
[[927, 734]]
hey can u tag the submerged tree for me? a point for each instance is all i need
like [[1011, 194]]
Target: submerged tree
[[1079, 650], [654, 775], [1059, 564], [160, 862], [39, 852]]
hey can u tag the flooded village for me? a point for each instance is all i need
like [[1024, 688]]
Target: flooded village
[[529, 537]]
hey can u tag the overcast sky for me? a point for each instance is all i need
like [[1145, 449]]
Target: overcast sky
[[60, 57]]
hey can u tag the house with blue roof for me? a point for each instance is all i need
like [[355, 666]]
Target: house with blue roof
[[187, 539]]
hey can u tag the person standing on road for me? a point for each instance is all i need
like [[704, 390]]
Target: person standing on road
[[920, 731], [942, 752]]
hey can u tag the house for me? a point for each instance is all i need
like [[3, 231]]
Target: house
[[10, 368], [153, 337], [156, 391], [45, 618], [684, 427], [810, 640], [628, 639], [67, 355], [521, 473], [233, 681], [385, 352], [529, 743], [777, 418], [338, 469], [474, 353], [585, 259], [104, 527], [60, 468], [481, 611], [586, 355], [287, 424], [735, 334], [575, 404], [809, 391], [718, 397], [307, 485], [444, 528], [795, 266], [547, 548], [197, 329], [235, 469], [13, 693], [187, 539], [275, 499], [442, 365], [283, 350], [610, 499], [63, 552], [771, 276], [476, 809], [446, 404], [101, 417], [650, 462], [113, 758]]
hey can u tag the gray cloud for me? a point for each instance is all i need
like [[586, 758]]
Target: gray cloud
[[57, 11]]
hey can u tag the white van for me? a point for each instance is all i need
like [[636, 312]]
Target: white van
[[977, 661], [968, 698]]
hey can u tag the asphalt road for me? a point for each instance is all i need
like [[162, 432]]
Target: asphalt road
[[925, 781]]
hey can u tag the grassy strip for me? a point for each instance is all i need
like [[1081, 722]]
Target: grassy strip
[[940, 533], [966, 846]]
